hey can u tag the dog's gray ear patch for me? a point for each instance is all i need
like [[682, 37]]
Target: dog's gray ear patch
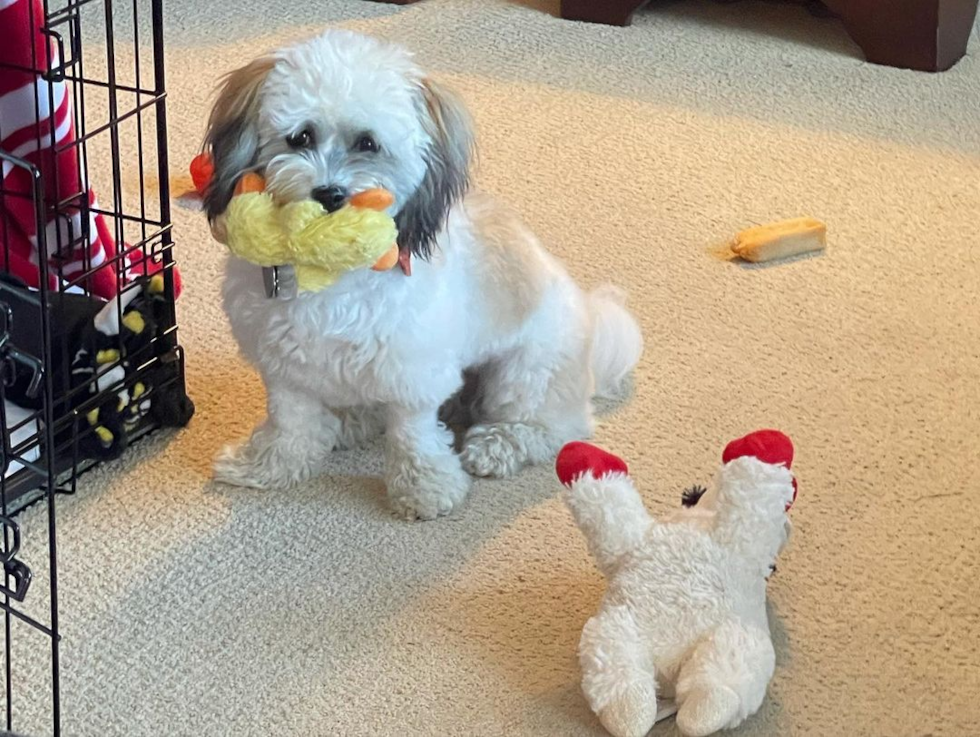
[[447, 175], [232, 136]]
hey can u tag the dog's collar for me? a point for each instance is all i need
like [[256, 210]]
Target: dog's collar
[[280, 281], [405, 261]]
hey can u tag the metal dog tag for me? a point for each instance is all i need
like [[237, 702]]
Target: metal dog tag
[[280, 282]]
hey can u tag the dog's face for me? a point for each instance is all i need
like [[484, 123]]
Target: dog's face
[[334, 116]]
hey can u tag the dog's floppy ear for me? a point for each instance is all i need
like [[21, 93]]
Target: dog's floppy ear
[[232, 137], [447, 174]]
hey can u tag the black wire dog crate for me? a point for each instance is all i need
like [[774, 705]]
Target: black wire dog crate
[[89, 356]]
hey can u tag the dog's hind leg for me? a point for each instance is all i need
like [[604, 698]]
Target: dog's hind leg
[[359, 426], [532, 402]]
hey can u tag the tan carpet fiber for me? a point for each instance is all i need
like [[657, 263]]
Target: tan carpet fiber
[[189, 609]]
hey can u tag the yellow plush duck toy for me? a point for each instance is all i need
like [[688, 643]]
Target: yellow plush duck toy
[[320, 246]]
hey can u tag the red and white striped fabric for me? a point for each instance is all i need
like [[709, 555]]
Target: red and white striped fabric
[[29, 108]]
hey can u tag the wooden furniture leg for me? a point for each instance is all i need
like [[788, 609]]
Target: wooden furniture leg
[[928, 35], [611, 12]]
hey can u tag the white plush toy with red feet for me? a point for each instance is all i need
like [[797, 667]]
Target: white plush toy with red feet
[[683, 624]]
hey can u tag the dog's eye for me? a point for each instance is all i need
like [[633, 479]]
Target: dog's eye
[[302, 139], [366, 144]]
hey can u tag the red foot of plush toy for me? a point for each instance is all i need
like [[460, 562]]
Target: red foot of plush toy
[[769, 446], [577, 458]]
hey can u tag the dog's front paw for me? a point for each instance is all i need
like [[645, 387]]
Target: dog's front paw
[[426, 488], [270, 459], [238, 464]]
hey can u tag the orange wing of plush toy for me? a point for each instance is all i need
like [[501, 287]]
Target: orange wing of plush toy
[[250, 182], [380, 200]]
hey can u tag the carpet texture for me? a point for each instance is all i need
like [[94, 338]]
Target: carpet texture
[[193, 609]]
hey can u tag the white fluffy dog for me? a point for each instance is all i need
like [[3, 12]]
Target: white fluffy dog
[[382, 352]]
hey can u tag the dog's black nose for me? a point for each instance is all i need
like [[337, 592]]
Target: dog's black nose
[[332, 198]]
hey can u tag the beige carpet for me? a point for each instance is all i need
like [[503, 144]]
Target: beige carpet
[[189, 609]]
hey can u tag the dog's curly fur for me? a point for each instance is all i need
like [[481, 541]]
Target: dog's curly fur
[[381, 352]]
